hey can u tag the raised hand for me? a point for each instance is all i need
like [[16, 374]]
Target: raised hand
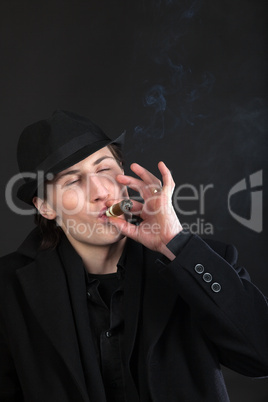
[[159, 221]]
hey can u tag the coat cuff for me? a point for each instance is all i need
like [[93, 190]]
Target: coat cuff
[[179, 241]]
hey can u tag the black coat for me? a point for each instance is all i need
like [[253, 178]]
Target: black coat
[[177, 329]]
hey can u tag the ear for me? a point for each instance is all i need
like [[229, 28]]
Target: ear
[[44, 208]]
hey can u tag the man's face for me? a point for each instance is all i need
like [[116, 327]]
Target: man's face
[[80, 195]]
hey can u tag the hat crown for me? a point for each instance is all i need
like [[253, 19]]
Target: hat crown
[[54, 145], [41, 139]]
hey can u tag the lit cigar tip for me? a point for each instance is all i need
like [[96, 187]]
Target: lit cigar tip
[[120, 208]]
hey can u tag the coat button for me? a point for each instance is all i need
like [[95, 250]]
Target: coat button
[[207, 277], [199, 269], [216, 287], [108, 334], [88, 294]]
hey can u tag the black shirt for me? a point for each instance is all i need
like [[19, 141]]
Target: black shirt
[[105, 295]]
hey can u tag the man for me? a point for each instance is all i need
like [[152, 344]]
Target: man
[[128, 308]]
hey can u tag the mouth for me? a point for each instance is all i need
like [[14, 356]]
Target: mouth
[[102, 212]]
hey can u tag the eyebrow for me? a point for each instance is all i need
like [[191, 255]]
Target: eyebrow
[[101, 159], [75, 171]]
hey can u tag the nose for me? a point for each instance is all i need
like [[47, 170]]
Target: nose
[[98, 189]]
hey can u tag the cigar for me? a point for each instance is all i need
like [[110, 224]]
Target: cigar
[[120, 208]]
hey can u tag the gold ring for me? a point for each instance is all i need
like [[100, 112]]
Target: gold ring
[[155, 190]]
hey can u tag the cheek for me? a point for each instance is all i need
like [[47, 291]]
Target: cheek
[[70, 200]]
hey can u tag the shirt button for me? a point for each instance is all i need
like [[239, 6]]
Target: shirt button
[[216, 287], [199, 269], [207, 277], [108, 334]]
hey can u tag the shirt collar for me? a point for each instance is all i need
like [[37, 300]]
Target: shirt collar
[[120, 268]]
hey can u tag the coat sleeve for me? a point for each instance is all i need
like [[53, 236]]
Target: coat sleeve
[[231, 311], [10, 390]]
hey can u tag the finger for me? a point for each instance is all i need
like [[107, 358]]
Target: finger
[[148, 180], [133, 183], [127, 180], [146, 176], [166, 175]]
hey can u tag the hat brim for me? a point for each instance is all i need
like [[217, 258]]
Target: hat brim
[[27, 190]]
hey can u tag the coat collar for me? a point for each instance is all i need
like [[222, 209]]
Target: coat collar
[[44, 284], [30, 246]]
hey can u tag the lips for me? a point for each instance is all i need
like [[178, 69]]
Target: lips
[[102, 212]]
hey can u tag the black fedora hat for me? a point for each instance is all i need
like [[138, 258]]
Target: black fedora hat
[[54, 144]]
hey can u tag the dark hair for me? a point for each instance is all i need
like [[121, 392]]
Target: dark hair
[[51, 232]]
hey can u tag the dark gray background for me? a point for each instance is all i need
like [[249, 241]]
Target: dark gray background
[[186, 79]]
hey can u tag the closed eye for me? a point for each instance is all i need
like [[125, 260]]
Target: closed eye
[[72, 182], [103, 170]]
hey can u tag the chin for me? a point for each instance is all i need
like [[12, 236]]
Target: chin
[[104, 237], [106, 240]]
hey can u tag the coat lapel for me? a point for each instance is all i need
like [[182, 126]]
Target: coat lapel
[[158, 301], [149, 302], [45, 288], [148, 297]]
